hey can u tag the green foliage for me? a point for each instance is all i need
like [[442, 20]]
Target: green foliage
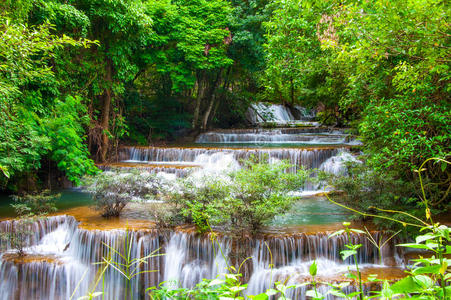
[[189, 38], [38, 204], [429, 277], [21, 145], [66, 133], [400, 133], [244, 200], [16, 9], [66, 17], [24, 53], [366, 189], [156, 118], [261, 192], [113, 190], [166, 215], [33, 123], [382, 66], [28, 208], [229, 287], [399, 77], [298, 70]]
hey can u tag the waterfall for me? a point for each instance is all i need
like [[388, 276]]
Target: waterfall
[[178, 171], [38, 229], [62, 258], [276, 113], [40, 279], [218, 161], [308, 158], [337, 164], [275, 136], [189, 259]]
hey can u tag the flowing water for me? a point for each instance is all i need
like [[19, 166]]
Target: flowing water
[[62, 250], [61, 255], [281, 115]]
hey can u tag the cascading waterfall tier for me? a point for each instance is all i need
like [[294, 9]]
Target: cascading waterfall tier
[[279, 114], [38, 229], [178, 171], [288, 136], [62, 257], [307, 158]]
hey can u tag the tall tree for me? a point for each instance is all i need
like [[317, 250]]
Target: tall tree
[[124, 31], [30, 115], [400, 58], [299, 70]]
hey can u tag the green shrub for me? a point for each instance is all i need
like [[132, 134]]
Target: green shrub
[[244, 200], [113, 190], [364, 189], [28, 208], [39, 204]]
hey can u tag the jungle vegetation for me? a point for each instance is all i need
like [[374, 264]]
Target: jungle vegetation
[[80, 77]]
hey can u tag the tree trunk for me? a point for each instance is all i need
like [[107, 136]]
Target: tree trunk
[[200, 94], [105, 119], [213, 97], [207, 113]]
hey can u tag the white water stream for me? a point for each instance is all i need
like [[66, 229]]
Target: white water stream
[[61, 256]]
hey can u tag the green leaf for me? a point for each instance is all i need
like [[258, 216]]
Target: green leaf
[[313, 269], [337, 293], [425, 281], [216, 281], [405, 285], [259, 297], [434, 269], [443, 267], [357, 231], [353, 295], [237, 288], [421, 238], [271, 292], [347, 253], [4, 171], [336, 233], [415, 246]]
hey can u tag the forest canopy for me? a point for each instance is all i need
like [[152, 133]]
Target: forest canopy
[[80, 77]]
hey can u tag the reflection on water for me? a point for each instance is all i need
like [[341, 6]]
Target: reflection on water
[[314, 210], [69, 198], [307, 211]]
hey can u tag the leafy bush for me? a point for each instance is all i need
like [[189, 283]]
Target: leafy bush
[[244, 200], [166, 215], [365, 189], [36, 122], [113, 190], [39, 204], [400, 133], [29, 208]]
